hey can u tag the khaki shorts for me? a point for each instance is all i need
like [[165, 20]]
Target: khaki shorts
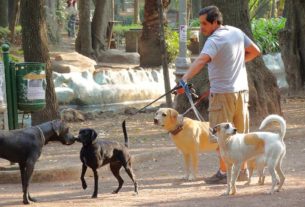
[[230, 107]]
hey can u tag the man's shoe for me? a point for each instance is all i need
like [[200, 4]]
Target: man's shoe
[[218, 178], [243, 175]]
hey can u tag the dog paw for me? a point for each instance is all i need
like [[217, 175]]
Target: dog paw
[[84, 185], [94, 196], [247, 183], [191, 178]]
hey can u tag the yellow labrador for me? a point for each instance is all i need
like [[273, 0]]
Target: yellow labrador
[[190, 137], [237, 148]]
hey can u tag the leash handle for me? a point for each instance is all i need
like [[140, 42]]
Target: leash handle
[[188, 95]]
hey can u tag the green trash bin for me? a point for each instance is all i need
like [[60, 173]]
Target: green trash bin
[[30, 86]]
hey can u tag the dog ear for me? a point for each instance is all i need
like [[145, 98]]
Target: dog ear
[[216, 129], [173, 114], [93, 134], [56, 124]]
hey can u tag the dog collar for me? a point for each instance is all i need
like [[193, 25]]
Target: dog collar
[[41, 135], [177, 130]]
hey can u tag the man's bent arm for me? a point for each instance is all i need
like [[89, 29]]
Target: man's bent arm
[[196, 66], [251, 52]]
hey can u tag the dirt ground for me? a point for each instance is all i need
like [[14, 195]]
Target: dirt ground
[[159, 176]]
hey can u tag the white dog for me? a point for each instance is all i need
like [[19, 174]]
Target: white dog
[[237, 148]]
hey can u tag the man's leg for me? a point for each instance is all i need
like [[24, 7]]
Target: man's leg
[[220, 111], [241, 122]]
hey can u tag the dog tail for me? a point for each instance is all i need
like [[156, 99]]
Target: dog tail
[[125, 133], [278, 119]]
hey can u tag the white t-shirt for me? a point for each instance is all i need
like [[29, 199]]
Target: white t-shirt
[[227, 70]]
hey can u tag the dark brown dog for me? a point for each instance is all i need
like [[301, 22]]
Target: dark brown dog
[[96, 154], [24, 146]]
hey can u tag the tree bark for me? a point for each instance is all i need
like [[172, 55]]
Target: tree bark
[[263, 90], [4, 13], [101, 18], [34, 44], [292, 43], [13, 18], [83, 44], [136, 13], [150, 48]]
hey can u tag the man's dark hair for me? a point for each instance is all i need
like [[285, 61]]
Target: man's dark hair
[[212, 13]]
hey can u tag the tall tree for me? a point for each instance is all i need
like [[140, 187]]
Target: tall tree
[[101, 18], [263, 90], [150, 48], [292, 43], [91, 39], [83, 43], [4, 13], [35, 47]]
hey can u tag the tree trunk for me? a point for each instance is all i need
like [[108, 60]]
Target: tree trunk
[[34, 39], [292, 43], [150, 48], [3, 13], [264, 93], [52, 21], [195, 8], [13, 18], [83, 44], [136, 12], [101, 17]]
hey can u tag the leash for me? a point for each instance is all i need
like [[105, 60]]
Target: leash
[[188, 95], [198, 115], [203, 96]]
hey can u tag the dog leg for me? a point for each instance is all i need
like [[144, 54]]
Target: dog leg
[[261, 173], [23, 178], [280, 173], [115, 169], [229, 175], [194, 166], [26, 174], [82, 177], [94, 195], [250, 175], [129, 171], [236, 170], [271, 167], [187, 166]]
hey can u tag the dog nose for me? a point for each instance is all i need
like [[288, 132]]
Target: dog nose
[[155, 121]]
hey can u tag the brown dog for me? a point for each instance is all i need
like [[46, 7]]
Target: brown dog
[[190, 137]]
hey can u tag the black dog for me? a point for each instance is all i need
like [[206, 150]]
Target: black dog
[[24, 146], [96, 154]]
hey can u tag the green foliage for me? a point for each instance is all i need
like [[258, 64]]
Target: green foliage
[[4, 32], [194, 22], [172, 43], [266, 33], [120, 29]]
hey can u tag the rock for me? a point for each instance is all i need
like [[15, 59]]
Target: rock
[[118, 56], [71, 62], [72, 115]]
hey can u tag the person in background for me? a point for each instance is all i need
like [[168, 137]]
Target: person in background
[[71, 16], [225, 51]]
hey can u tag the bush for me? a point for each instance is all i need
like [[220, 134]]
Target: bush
[[172, 44], [266, 33]]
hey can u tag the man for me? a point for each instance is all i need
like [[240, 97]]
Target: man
[[225, 51]]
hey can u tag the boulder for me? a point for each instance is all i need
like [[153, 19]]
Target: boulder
[[71, 62]]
